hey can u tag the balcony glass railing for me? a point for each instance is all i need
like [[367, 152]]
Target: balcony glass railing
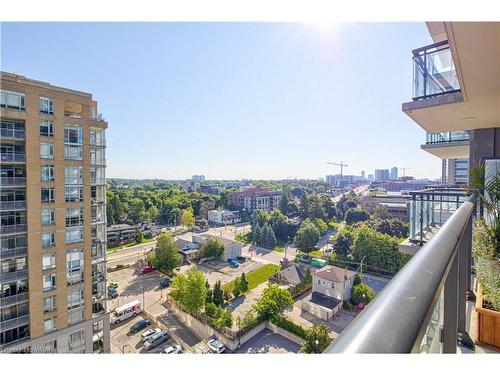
[[434, 71], [431, 208], [17, 134], [12, 157], [12, 205], [436, 138], [12, 181]]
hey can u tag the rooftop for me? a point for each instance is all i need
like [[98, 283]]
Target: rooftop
[[334, 274]]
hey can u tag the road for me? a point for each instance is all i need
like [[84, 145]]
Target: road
[[128, 255]]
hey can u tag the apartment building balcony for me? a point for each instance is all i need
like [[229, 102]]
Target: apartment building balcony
[[455, 82], [14, 300], [12, 134], [13, 252], [13, 276], [13, 229], [12, 157], [9, 182], [449, 145], [424, 308], [14, 323], [12, 205]]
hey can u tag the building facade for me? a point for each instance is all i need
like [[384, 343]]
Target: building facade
[[455, 171], [53, 219], [393, 174], [381, 174], [224, 217], [253, 199]]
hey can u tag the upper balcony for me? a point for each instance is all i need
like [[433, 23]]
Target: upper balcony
[[450, 145], [13, 157], [455, 83]]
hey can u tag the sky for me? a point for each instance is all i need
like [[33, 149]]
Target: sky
[[237, 100]]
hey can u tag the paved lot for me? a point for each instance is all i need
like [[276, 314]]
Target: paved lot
[[375, 282], [178, 328], [268, 342], [123, 342], [218, 270], [241, 305]]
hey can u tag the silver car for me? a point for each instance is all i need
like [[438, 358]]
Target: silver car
[[150, 332]]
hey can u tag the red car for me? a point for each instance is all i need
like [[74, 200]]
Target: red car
[[146, 269]]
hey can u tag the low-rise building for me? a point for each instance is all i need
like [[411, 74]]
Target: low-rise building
[[208, 189], [232, 249], [397, 205], [120, 234], [223, 217], [255, 198]]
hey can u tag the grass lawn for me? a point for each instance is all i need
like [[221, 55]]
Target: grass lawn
[[256, 277], [279, 249]]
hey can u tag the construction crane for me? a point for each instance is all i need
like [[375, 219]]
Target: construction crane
[[404, 169], [341, 165]]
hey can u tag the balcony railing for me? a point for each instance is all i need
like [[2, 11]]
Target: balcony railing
[[434, 72], [12, 205], [97, 117], [430, 209], [13, 157], [423, 309], [12, 134], [14, 323], [14, 300], [437, 138], [13, 253], [12, 181], [14, 276], [11, 229]]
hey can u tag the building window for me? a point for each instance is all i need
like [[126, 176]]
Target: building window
[[97, 156], [48, 261], [73, 152], [46, 128], [73, 175], [75, 316], [47, 172], [46, 106], [46, 150], [49, 304], [48, 216], [10, 99], [14, 242], [49, 282], [75, 299], [49, 325], [74, 217], [73, 134], [97, 137], [74, 234], [48, 195], [74, 194], [13, 265], [74, 260], [97, 176], [75, 339], [50, 347], [48, 239]]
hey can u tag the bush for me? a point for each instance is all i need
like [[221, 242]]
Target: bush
[[357, 280], [362, 293], [212, 248], [355, 215], [290, 326]]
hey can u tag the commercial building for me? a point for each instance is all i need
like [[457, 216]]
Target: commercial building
[[232, 249], [198, 178], [53, 219], [255, 198], [393, 175], [224, 217], [381, 174], [455, 171], [208, 189], [397, 205]]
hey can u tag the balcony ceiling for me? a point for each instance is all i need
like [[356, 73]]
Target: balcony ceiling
[[476, 53], [451, 150]]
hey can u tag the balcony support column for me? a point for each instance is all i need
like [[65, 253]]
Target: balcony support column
[[464, 282], [450, 324]]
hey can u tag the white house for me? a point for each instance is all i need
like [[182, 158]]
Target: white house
[[223, 217], [232, 249]]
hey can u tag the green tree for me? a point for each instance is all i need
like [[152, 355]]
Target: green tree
[[212, 248], [317, 339], [136, 211], [273, 301], [362, 293], [267, 238], [357, 280], [342, 242], [196, 291], [187, 217], [236, 287], [178, 289], [321, 225], [139, 237], [243, 283], [381, 212], [167, 256], [256, 234], [218, 296], [355, 215], [307, 236]]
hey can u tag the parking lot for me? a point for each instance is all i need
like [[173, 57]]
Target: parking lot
[[123, 342], [219, 270], [268, 342]]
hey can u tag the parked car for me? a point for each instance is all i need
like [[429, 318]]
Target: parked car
[[305, 258], [176, 349], [141, 324], [150, 332], [164, 283], [155, 340], [216, 346], [113, 285], [241, 258], [146, 269], [233, 263], [112, 292]]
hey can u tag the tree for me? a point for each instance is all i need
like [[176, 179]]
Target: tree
[[343, 242], [212, 248], [187, 217], [195, 292], [167, 256], [362, 293], [236, 287], [283, 204], [355, 215], [256, 234], [218, 317], [317, 339], [243, 283], [273, 301], [357, 280], [178, 289], [218, 296], [321, 225], [267, 238], [381, 212], [136, 211], [307, 236], [139, 237]]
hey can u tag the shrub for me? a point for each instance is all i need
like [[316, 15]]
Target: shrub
[[362, 293], [290, 326]]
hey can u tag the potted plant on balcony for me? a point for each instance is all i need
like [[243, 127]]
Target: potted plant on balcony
[[486, 252]]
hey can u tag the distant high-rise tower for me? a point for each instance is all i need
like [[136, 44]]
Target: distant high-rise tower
[[198, 178], [381, 174], [363, 174], [394, 173]]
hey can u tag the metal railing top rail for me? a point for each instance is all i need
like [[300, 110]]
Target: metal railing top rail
[[444, 191], [396, 320]]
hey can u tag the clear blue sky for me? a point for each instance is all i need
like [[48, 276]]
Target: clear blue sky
[[249, 100]]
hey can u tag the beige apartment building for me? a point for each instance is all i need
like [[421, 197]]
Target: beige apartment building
[[53, 219]]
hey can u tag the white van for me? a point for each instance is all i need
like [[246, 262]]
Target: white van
[[126, 311]]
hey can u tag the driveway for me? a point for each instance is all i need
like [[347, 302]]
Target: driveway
[[268, 342]]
